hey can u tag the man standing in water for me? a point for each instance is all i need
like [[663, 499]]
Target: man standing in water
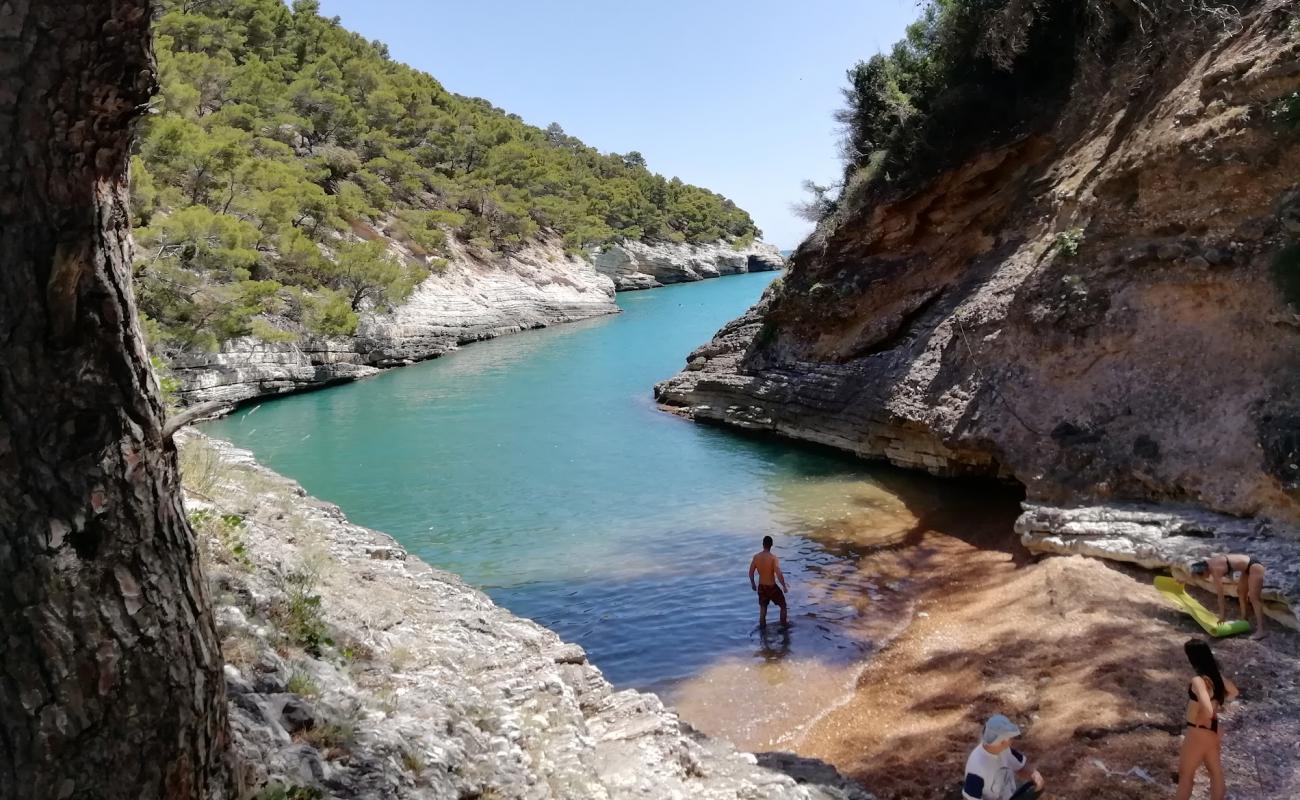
[[769, 572]]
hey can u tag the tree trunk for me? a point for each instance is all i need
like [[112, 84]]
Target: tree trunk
[[110, 673]]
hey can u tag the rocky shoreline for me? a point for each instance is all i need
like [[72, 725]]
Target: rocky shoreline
[[468, 301], [355, 670], [637, 265]]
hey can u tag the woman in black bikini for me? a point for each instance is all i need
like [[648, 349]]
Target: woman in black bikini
[[1250, 583], [1202, 741]]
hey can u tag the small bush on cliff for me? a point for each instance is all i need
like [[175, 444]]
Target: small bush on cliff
[[1285, 112], [300, 613], [1067, 243], [969, 74], [328, 313], [963, 67], [224, 530]]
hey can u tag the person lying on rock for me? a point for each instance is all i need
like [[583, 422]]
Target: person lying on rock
[[769, 572], [1249, 579], [995, 770]]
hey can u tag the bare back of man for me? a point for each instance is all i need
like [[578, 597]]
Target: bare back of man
[[768, 569]]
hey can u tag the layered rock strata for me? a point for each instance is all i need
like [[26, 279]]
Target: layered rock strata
[[357, 671], [637, 265], [1169, 538], [1104, 308]]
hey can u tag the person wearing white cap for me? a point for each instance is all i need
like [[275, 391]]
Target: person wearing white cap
[[996, 771]]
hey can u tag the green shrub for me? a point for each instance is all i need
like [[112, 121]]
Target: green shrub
[[226, 530], [328, 313], [1068, 242], [167, 382], [301, 683], [267, 332], [1285, 112], [300, 613]]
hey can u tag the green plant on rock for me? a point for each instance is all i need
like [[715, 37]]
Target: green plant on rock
[[328, 313], [226, 530], [301, 683], [1068, 242], [267, 332], [300, 615], [366, 271], [1285, 112], [412, 761], [201, 467]]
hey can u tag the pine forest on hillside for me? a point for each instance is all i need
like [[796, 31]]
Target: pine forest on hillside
[[285, 152]]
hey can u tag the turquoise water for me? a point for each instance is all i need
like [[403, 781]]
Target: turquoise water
[[537, 467]]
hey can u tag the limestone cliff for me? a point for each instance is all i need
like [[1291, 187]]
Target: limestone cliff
[[469, 300], [472, 298], [637, 265], [1101, 304]]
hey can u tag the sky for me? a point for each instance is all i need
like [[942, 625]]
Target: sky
[[733, 95]]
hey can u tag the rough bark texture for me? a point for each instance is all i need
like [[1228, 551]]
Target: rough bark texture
[[111, 683]]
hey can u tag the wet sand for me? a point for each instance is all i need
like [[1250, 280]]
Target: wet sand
[[1085, 655]]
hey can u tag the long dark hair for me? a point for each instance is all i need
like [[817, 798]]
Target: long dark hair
[[1202, 658]]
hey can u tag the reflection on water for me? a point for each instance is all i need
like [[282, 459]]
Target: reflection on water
[[537, 467]]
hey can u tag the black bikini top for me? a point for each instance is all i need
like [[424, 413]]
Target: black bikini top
[[1191, 693]]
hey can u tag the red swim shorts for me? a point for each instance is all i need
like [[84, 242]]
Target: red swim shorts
[[771, 594]]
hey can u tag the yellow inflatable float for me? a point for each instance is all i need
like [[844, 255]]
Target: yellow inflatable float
[[1206, 618]]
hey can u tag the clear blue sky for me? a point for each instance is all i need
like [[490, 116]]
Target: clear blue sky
[[734, 95]]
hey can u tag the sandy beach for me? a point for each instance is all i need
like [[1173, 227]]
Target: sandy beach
[[1084, 654]]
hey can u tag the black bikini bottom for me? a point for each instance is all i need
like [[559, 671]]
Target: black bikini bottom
[[1213, 726]]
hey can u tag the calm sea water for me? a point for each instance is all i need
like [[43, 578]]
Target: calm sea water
[[537, 467]]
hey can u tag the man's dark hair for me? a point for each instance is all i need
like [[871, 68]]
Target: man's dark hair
[[767, 542], [1199, 568]]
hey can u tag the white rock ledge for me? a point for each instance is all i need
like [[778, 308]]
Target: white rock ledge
[[1164, 537]]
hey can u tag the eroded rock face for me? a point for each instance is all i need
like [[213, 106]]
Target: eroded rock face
[[1170, 538], [1104, 310], [469, 301], [637, 265], [415, 685]]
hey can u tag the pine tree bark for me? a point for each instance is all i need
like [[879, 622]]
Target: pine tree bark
[[110, 672]]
